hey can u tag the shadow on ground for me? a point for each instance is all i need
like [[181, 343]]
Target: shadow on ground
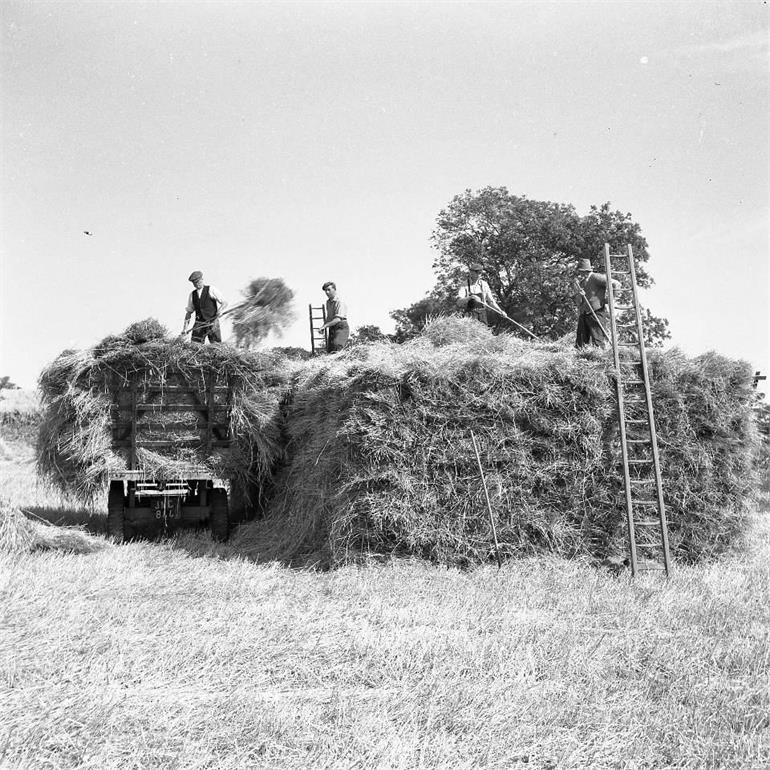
[[91, 522]]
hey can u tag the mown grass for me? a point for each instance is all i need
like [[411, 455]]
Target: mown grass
[[184, 654]]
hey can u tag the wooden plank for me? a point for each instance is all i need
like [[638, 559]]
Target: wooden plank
[[132, 456], [140, 443]]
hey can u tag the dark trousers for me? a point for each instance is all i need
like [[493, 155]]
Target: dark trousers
[[476, 310], [480, 314], [337, 337], [203, 329], [589, 332]]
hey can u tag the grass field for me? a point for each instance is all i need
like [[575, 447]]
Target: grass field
[[183, 654]]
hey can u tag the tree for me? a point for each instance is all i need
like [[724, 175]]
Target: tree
[[368, 333], [267, 306], [529, 249]]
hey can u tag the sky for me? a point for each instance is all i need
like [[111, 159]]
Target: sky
[[319, 141]]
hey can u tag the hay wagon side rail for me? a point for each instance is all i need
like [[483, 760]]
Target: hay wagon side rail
[[163, 401], [163, 417]]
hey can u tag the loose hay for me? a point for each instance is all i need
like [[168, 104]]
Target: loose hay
[[381, 460], [20, 534], [76, 449], [267, 306]]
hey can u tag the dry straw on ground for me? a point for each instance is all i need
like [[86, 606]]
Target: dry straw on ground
[[79, 389], [381, 459], [20, 534]]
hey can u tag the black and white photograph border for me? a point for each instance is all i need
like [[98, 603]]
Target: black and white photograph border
[[383, 385]]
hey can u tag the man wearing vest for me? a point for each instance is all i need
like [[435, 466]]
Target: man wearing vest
[[475, 294], [207, 304], [591, 295]]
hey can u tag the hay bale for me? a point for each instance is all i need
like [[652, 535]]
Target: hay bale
[[381, 459], [76, 449]]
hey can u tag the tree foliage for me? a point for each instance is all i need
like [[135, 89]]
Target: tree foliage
[[368, 333], [267, 307], [529, 250]]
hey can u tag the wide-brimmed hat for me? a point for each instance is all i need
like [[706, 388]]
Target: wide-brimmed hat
[[195, 275], [584, 265], [477, 266]]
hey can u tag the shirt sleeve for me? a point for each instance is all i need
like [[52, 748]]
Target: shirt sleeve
[[340, 309], [216, 295], [190, 307]]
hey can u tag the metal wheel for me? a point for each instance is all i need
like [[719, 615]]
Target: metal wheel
[[219, 515], [115, 508]]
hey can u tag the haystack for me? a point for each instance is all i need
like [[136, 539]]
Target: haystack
[[81, 390], [381, 457]]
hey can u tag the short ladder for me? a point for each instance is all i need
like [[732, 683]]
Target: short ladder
[[645, 509], [317, 340]]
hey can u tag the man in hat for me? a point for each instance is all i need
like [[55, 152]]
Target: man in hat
[[207, 303], [475, 294], [591, 298], [336, 319]]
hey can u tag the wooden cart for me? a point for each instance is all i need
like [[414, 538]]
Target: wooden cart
[[180, 414]]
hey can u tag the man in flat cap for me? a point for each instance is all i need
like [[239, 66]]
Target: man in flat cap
[[475, 294], [591, 298], [207, 303], [336, 327]]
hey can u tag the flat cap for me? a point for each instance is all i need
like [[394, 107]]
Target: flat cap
[[195, 275], [477, 266], [584, 265]]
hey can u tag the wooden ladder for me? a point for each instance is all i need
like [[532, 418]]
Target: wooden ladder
[[645, 509], [317, 318]]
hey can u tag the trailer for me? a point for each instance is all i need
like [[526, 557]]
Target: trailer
[[166, 431]]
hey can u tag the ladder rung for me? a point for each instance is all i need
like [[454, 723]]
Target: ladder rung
[[644, 502], [640, 462], [625, 307], [621, 272], [633, 382], [647, 524], [629, 344], [636, 422], [641, 481], [637, 441]]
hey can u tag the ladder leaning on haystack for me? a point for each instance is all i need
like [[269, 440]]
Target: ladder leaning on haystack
[[317, 339], [645, 509]]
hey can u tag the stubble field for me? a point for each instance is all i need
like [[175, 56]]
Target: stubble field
[[183, 654]]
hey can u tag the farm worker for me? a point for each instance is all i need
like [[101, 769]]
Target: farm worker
[[475, 292], [336, 319], [591, 299], [207, 303]]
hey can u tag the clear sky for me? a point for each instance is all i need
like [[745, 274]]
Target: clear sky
[[318, 141]]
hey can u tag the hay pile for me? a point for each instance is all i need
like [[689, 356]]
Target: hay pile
[[80, 388], [381, 458], [20, 534]]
